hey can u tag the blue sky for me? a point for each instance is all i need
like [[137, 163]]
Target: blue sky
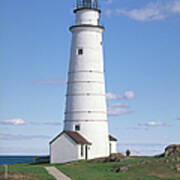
[[142, 66]]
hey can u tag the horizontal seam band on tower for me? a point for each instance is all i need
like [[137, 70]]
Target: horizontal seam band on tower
[[86, 94], [86, 25], [71, 82], [86, 120], [83, 8], [86, 71], [89, 112]]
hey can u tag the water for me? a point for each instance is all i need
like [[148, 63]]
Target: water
[[15, 159]]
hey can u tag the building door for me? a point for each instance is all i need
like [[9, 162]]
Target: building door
[[110, 149], [86, 152]]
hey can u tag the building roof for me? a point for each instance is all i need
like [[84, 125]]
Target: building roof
[[111, 138], [75, 136]]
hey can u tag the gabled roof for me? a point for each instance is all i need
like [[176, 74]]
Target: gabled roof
[[111, 138], [75, 136]]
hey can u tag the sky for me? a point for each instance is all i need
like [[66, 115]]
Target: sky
[[142, 68]]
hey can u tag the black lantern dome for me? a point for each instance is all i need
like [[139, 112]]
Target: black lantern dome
[[87, 4]]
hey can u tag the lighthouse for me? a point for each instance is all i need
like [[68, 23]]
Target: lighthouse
[[85, 134]]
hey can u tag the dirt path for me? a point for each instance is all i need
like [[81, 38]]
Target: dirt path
[[56, 173]]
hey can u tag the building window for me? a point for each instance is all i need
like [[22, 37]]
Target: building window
[[82, 150], [77, 127], [80, 51]]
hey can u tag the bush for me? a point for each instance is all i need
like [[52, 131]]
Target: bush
[[128, 152]]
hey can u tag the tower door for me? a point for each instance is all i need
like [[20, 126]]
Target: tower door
[[86, 152]]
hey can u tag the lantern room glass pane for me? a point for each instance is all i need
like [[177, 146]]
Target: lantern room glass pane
[[92, 4]]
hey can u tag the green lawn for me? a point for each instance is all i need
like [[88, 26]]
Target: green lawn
[[28, 171], [103, 171], [1, 171], [140, 168]]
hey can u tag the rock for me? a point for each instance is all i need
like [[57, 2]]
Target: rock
[[125, 168], [122, 169], [159, 155], [118, 157], [177, 167], [112, 158], [175, 159], [171, 150]]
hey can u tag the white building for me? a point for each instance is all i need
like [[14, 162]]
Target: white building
[[85, 134]]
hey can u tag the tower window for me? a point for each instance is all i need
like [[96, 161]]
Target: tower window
[[77, 127], [80, 51]]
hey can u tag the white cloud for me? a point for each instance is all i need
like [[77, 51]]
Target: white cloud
[[13, 122], [46, 123], [108, 12], [50, 81], [151, 12], [118, 105], [175, 7], [116, 111], [152, 124], [127, 95], [108, 2], [12, 137], [112, 96], [143, 149]]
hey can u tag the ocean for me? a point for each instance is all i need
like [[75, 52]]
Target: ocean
[[15, 159]]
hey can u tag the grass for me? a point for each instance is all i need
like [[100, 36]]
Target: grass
[[153, 169], [28, 171], [1, 171], [88, 170]]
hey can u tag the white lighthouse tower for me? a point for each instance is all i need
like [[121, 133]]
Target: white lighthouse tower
[[86, 113]]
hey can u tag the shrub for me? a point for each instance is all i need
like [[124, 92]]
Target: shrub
[[128, 152]]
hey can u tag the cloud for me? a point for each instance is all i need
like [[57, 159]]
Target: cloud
[[22, 122], [127, 95], [118, 105], [46, 123], [12, 137], [13, 122], [108, 12], [152, 124], [118, 109], [112, 96], [50, 81], [52, 123], [175, 7], [108, 2], [151, 12], [143, 149], [178, 118]]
